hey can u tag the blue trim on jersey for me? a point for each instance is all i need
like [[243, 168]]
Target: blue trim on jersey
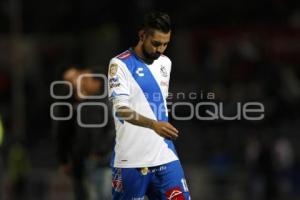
[[148, 85], [120, 94], [114, 94], [171, 145], [120, 120]]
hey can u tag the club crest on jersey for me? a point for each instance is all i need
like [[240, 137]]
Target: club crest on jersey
[[140, 72], [113, 68], [163, 71]]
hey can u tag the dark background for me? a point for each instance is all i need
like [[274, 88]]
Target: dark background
[[239, 50]]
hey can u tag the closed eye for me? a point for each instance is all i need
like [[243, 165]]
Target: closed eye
[[157, 44]]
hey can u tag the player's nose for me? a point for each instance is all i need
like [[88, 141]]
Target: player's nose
[[159, 51]]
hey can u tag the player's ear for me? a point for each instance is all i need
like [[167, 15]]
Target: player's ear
[[142, 35]]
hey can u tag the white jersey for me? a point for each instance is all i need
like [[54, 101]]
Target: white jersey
[[143, 88]]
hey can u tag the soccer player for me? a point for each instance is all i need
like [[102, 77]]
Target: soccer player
[[145, 162]]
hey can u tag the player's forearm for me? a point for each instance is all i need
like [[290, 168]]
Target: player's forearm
[[135, 118], [163, 129]]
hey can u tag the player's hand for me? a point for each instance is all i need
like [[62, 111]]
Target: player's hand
[[165, 129]]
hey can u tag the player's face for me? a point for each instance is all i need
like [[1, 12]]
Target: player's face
[[155, 44]]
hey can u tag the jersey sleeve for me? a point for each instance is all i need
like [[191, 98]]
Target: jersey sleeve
[[118, 84]]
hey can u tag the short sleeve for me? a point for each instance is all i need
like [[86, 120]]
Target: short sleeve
[[118, 83]]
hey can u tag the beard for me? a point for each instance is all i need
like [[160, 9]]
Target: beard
[[150, 56]]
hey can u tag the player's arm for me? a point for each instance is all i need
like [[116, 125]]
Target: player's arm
[[164, 129]]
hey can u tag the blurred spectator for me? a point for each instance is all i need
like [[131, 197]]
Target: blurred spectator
[[84, 152]]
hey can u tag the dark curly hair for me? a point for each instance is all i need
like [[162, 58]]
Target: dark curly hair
[[157, 20]]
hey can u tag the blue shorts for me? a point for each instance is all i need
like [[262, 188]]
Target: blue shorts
[[158, 183]]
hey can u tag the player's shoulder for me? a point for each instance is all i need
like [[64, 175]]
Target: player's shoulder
[[119, 59], [120, 62], [122, 57]]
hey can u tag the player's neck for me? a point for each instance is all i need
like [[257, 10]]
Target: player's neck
[[139, 52]]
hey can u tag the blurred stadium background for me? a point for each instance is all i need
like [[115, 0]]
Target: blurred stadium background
[[239, 50]]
